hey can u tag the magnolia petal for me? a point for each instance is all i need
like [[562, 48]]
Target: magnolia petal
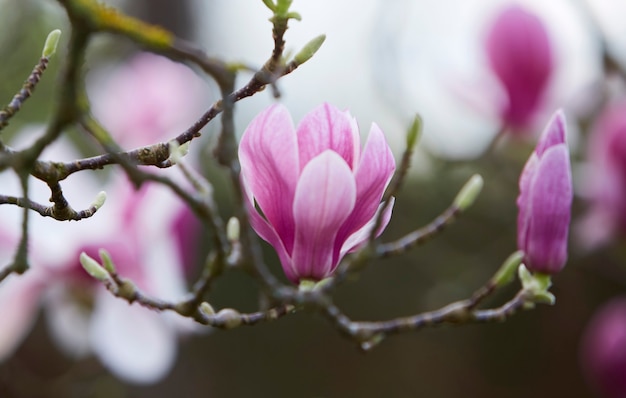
[[324, 199], [326, 127], [268, 234], [268, 154], [355, 240], [553, 134], [131, 341], [551, 200], [372, 177], [523, 200]]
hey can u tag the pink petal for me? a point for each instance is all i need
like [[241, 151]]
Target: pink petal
[[553, 134], [269, 164], [372, 177], [131, 341], [355, 240], [324, 199], [551, 200], [326, 127], [268, 234], [523, 200]]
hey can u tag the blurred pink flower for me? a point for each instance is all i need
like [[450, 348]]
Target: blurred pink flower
[[148, 100], [603, 349], [545, 201], [605, 184], [317, 195], [135, 343], [520, 55]]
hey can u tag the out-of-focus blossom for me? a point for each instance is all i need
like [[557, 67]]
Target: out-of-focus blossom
[[135, 343], [545, 201], [603, 349], [605, 184], [520, 55], [148, 100], [317, 195]]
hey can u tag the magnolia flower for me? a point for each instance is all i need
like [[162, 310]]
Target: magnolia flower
[[135, 343], [311, 193], [545, 201], [603, 349], [148, 99], [520, 55], [605, 185]]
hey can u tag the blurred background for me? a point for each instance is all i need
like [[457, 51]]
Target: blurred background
[[384, 61]]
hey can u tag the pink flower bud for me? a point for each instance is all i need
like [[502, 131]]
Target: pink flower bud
[[606, 185], [311, 193], [520, 54], [603, 349], [545, 201]]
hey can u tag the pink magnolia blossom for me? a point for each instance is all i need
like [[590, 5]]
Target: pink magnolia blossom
[[545, 201], [134, 343], [520, 55], [148, 99], [603, 349], [317, 195], [606, 181]]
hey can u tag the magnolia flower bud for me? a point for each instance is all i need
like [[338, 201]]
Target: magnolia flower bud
[[603, 349], [520, 55], [545, 201]]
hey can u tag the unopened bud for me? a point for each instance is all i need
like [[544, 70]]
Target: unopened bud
[[233, 229], [415, 132], [309, 50], [468, 194], [537, 285], [94, 269], [177, 152], [98, 202], [228, 318], [282, 6], [107, 263], [207, 309], [506, 273], [52, 41]]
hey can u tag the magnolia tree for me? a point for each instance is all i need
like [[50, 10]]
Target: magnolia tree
[[310, 189]]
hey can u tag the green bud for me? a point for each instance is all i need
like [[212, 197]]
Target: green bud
[[415, 132], [177, 152], [229, 318], [207, 309], [506, 273], [52, 41], [537, 285], [93, 268], [282, 6], [372, 342], [98, 202], [306, 285], [233, 229], [468, 194], [309, 50], [107, 262]]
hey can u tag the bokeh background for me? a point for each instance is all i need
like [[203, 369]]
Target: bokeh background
[[385, 61]]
